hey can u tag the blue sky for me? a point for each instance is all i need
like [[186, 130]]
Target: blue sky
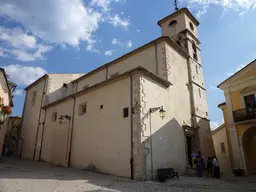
[[75, 36]]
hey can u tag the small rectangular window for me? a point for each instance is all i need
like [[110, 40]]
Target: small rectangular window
[[33, 98], [82, 109], [101, 106], [222, 147], [196, 69], [115, 74], [125, 112], [54, 116], [199, 91], [86, 86], [250, 102]]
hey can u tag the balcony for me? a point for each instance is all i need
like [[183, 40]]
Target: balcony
[[244, 114]]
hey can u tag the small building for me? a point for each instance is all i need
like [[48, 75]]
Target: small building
[[140, 112], [221, 147], [239, 113], [6, 89], [13, 141]]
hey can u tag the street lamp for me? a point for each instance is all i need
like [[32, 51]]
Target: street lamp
[[161, 111]]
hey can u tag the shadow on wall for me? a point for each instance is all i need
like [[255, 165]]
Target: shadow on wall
[[168, 147], [168, 144]]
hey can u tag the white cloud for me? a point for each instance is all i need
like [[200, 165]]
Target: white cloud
[[23, 75], [214, 124], [2, 53], [58, 21], [240, 6], [61, 22], [28, 55], [213, 87], [129, 44], [117, 21], [238, 68], [91, 48], [115, 41], [16, 37], [22, 46], [104, 4], [18, 92], [109, 52], [138, 30]]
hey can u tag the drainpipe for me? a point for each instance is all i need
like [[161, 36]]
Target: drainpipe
[[71, 132], [156, 59], [42, 136], [23, 112], [39, 119], [131, 116], [71, 129]]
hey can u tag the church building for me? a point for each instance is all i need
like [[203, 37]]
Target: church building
[[141, 112]]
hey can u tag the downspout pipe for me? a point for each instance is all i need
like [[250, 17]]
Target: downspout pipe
[[22, 120], [39, 119], [131, 117], [42, 135], [71, 132], [71, 129]]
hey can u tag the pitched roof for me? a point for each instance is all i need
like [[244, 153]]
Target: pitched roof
[[160, 39], [219, 128], [221, 104], [35, 82], [225, 81], [137, 70], [185, 10]]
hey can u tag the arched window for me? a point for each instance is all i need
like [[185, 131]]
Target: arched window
[[173, 23], [194, 50], [191, 26]]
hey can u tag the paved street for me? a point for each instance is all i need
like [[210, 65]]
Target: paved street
[[29, 176]]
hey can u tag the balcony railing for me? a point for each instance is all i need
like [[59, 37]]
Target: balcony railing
[[244, 114]]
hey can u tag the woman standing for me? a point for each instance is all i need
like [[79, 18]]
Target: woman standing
[[199, 165], [216, 167], [209, 166]]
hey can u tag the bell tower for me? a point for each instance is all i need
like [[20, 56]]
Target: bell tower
[[182, 28]]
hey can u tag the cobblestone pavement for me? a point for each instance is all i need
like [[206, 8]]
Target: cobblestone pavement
[[18, 175]]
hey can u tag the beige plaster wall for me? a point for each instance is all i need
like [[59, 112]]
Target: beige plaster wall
[[219, 137], [145, 58], [56, 135], [55, 89], [167, 134], [174, 30], [182, 23], [152, 58], [31, 118], [102, 137], [5, 96], [93, 79]]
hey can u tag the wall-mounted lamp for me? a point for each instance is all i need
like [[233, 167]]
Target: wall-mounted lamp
[[161, 111], [62, 117]]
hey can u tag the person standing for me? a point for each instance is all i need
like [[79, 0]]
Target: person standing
[[209, 166], [193, 157], [199, 165], [216, 167]]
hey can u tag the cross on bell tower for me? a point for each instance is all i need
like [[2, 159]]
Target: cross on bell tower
[[176, 5]]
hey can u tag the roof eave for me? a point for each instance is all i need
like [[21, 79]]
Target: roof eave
[[176, 12]]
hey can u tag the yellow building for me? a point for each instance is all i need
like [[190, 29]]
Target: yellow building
[[240, 117]]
